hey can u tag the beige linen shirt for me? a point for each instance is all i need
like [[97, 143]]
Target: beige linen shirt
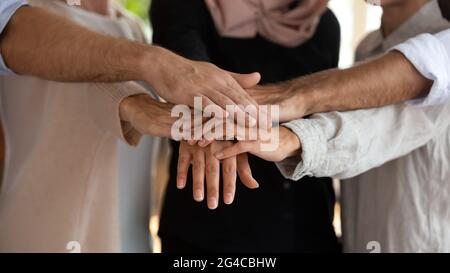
[[60, 180], [395, 161]]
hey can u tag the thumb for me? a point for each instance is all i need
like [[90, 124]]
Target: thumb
[[247, 80]]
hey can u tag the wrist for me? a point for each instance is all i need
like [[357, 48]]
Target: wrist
[[303, 96], [291, 143], [138, 62], [304, 102], [155, 62], [318, 92]]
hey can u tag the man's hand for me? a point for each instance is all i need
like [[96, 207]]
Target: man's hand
[[44, 44], [205, 164], [386, 80], [293, 97], [147, 116], [179, 80], [289, 146]]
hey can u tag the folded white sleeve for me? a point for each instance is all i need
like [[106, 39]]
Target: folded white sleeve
[[430, 54]]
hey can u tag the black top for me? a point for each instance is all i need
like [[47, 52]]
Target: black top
[[445, 8], [281, 216]]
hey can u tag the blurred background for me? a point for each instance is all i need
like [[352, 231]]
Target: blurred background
[[355, 16]]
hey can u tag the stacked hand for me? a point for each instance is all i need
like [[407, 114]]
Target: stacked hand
[[217, 88], [205, 164], [232, 157]]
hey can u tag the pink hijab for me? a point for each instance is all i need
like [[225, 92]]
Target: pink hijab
[[272, 19]]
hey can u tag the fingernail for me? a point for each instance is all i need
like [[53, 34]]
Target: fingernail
[[219, 155], [228, 199], [198, 195], [180, 184], [212, 203], [202, 143]]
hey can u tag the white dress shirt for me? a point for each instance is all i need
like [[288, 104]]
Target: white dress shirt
[[395, 160]]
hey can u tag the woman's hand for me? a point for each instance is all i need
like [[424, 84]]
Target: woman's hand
[[205, 164], [288, 145]]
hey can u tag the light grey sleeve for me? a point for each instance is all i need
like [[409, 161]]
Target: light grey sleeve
[[344, 145]]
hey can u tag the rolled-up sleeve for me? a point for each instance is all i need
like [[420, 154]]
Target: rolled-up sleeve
[[430, 54], [7, 9], [344, 145]]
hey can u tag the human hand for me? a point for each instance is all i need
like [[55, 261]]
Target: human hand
[[205, 164], [288, 145], [280, 94], [179, 80], [147, 116], [297, 98]]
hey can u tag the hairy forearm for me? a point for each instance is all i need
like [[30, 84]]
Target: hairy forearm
[[43, 44], [387, 80]]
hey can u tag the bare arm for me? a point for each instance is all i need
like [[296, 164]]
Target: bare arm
[[39, 43], [382, 81]]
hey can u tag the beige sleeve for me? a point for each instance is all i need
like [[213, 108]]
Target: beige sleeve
[[103, 101]]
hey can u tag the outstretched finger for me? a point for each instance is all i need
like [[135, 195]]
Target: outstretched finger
[[236, 149], [198, 175], [245, 172], [184, 161], [229, 174], [212, 180]]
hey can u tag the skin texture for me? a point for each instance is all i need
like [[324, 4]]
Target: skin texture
[[147, 116], [39, 43], [289, 145], [233, 158], [206, 165], [367, 85]]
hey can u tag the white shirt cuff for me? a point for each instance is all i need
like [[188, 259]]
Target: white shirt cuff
[[314, 148]]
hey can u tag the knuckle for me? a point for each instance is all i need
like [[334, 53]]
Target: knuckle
[[198, 166], [229, 169], [184, 160], [212, 169], [213, 191]]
